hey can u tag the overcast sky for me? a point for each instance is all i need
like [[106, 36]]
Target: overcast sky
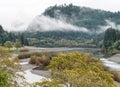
[[14, 13]]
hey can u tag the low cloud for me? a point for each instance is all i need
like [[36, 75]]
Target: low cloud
[[110, 24], [45, 23]]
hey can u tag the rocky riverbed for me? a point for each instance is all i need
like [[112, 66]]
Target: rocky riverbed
[[31, 75]]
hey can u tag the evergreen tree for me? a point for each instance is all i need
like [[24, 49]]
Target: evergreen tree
[[109, 37], [17, 44]]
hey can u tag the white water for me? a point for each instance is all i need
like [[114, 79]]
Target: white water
[[30, 77], [23, 63], [112, 65]]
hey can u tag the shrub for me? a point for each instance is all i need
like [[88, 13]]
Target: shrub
[[44, 60], [116, 75], [37, 54], [4, 53], [28, 55], [24, 56], [8, 68], [80, 70], [24, 50], [32, 60]]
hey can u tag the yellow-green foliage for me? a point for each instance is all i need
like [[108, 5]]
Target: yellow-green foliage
[[80, 70], [7, 67], [4, 53], [53, 83]]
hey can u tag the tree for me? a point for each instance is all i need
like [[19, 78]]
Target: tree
[[109, 38], [17, 44], [12, 37], [118, 35], [3, 35], [116, 45], [8, 44], [79, 70]]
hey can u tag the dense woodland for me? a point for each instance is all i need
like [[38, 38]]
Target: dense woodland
[[12, 37], [63, 39], [75, 15], [82, 16]]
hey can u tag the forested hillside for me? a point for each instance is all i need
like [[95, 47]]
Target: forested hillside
[[11, 36], [82, 16], [71, 26]]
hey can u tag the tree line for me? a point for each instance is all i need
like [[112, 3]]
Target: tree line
[[111, 40], [13, 37]]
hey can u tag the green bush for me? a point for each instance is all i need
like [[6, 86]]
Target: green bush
[[4, 78]]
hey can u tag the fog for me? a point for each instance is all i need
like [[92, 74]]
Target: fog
[[11, 10], [45, 23], [109, 24]]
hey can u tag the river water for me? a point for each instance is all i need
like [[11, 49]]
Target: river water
[[112, 65], [29, 76]]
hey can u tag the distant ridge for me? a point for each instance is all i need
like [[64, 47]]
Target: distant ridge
[[84, 17]]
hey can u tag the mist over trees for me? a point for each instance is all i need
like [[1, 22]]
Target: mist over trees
[[11, 37], [94, 20], [82, 16]]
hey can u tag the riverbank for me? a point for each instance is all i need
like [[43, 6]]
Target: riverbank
[[115, 58], [31, 75], [113, 63]]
